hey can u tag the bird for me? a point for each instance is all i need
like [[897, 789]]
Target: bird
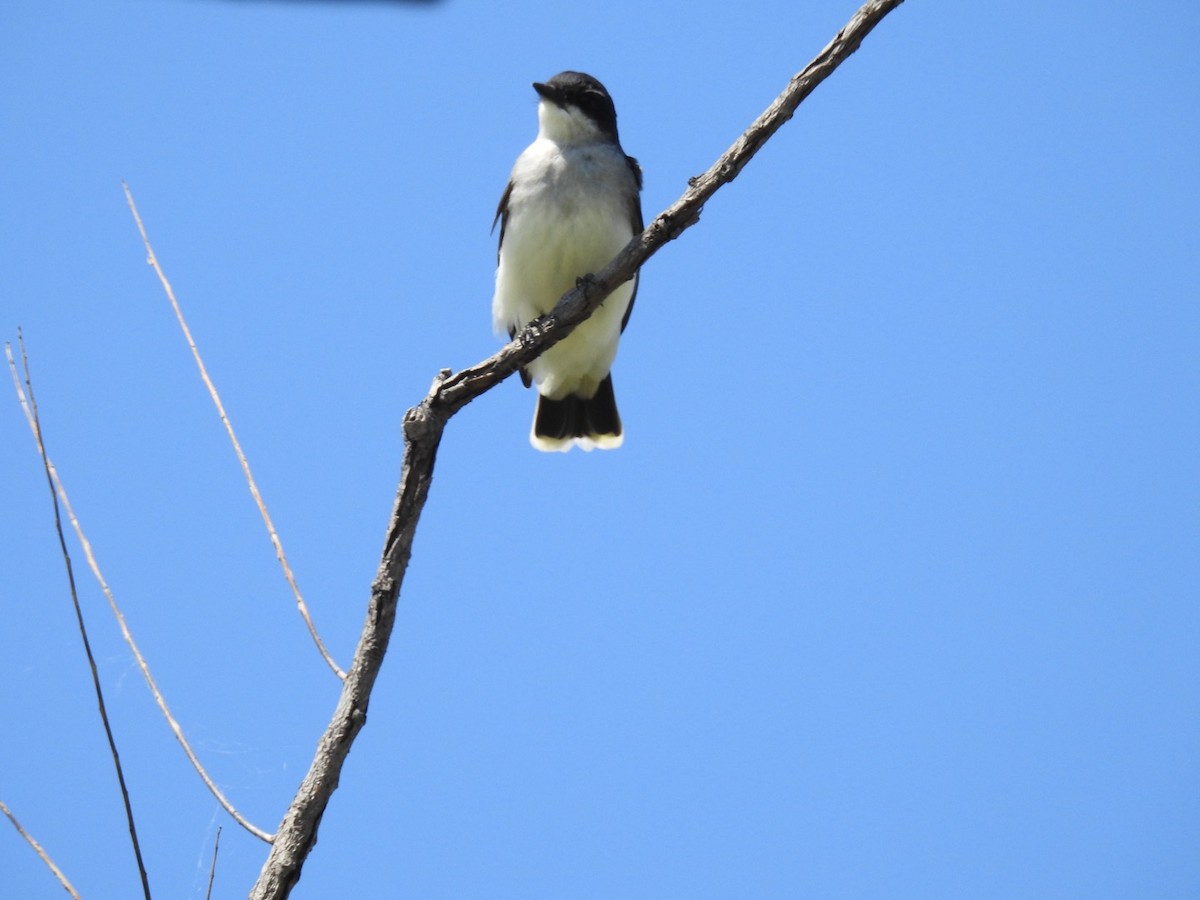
[[573, 201]]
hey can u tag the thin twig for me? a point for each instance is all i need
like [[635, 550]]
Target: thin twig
[[212, 870], [424, 424], [52, 474], [87, 645], [152, 259], [37, 848]]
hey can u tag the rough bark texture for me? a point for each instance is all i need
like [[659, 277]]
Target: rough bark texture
[[424, 424]]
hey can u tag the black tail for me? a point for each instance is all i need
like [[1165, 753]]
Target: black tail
[[557, 422]]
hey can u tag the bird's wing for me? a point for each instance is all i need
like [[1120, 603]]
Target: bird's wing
[[635, 220], [502, 217]]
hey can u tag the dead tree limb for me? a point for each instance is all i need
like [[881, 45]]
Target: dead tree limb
[[251, 484]]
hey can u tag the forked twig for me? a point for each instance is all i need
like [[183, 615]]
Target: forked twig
[[37, 848], [152, 259], [57, 486]]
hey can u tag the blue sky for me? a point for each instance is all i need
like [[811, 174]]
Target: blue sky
[[891, 591]]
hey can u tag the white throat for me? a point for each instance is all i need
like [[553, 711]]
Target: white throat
[[566, 125]]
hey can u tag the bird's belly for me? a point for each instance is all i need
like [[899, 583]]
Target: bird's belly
[[547, 246]]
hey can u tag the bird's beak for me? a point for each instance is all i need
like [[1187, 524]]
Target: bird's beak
[[548, 93]]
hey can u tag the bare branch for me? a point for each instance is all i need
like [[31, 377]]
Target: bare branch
[[37, 848], [152, 259], [424, 424], [212, 870], [32, 410], [56, 485]]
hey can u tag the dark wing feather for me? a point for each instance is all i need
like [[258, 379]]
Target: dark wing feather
[[502, 218], [637, 177], [635, 219]]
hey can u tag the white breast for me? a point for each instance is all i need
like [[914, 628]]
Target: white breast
[[567, 217]]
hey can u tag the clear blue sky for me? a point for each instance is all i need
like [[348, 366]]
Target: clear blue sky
[[892, 590]]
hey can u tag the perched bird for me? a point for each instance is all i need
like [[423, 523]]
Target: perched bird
[[571, 204]]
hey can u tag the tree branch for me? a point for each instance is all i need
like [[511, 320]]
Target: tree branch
[[212, 869], [57, 485], [152, 260], [37, 848], [424, 424], [36, 424]]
